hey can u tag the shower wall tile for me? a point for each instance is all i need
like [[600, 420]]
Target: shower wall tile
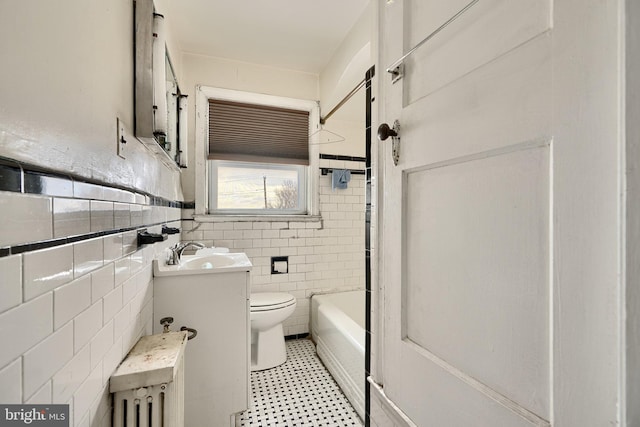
[[42, 396], [11, 378], [71, 300], [100, 412], [88, 255], [85, 190], [45, 359], [101, 343], [136, 215], [102, 281], [68, 324], [121, 215], [112, 247], [122, 270], [67, 380], [147, 217], [11, 279], [112, 304], [112, 358], [10, 176], [39, 183], [86, 325], [85, 394], [71, 217], [101, 216], [46, 269], [25, 326], [129, 242], [25, 218]]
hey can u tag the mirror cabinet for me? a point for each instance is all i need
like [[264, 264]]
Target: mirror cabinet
[[160, 108]]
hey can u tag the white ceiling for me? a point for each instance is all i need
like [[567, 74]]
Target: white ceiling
[[291, 34]]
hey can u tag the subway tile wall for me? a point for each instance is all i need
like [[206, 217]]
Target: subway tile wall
[[71, 308], [325, 255]]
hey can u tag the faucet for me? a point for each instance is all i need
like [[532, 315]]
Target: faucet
[[178, 248]]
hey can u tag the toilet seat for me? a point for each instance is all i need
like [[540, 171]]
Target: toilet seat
[[267, 301]]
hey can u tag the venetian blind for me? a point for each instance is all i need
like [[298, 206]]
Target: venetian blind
[[257, 133]]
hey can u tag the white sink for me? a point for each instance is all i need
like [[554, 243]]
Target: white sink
[[203, 264]]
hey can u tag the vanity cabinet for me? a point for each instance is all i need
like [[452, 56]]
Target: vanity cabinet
[[217, 360]]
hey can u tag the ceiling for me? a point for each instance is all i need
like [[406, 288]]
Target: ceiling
[[291, 34]]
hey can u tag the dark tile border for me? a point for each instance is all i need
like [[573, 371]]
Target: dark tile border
[[367, 340], [28, 179], [52, 243], [296, 336], [340, 157], [22, 178], [10, 176]]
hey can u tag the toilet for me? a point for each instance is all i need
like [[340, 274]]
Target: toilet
[[268, 311]]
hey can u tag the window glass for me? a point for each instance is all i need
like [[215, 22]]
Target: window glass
[[248, 187]]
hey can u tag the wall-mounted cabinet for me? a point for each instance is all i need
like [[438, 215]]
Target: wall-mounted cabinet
[[160, 107]]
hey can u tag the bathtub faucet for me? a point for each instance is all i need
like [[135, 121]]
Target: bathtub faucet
[[178, 248]]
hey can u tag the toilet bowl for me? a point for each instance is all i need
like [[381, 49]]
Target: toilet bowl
[[268, 311]]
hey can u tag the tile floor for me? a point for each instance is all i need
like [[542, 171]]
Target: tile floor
[[298, 393]]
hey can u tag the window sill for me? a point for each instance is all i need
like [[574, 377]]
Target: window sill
[[257, 218]]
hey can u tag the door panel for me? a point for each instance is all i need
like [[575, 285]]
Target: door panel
[[488, 30], [503, 103], [502, 223], [476, 285], [448, 398], [468, 331]]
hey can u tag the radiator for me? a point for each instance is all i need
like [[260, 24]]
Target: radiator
[[148, 385]]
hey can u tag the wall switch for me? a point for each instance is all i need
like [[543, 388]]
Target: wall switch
[[123, 135]]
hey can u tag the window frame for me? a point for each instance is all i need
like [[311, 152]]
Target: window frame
[[203, 94]]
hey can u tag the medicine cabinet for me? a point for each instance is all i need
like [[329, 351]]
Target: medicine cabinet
[[160, 107]]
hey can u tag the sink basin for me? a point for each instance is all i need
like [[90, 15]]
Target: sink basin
[[211, 263], [212, 250], [206, 262]]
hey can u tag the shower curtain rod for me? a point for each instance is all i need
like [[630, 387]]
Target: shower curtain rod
[[341, 103]]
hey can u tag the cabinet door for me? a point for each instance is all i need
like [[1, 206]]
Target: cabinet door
[[216, 373]]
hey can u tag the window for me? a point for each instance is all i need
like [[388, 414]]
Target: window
[[260, 188], [255, 144], [258, 156]]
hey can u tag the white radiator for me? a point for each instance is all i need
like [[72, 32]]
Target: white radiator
[[148, 385]]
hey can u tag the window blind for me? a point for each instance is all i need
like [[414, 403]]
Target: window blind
[[257, 133]]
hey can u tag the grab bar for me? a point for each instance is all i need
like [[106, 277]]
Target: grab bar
[[396, 68]]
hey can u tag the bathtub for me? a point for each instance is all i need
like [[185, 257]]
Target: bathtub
[[338, 329]]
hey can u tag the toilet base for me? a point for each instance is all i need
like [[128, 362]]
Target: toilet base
[[267, 348]]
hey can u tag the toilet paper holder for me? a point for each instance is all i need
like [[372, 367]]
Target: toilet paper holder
[[279, 264]]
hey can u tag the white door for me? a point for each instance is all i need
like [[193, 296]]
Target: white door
[[500, 249]]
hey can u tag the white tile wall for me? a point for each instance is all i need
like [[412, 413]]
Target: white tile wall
[[42, 396], [10, 378], [86, 325], [88, 255], [62, 308], [70, 300], [46, 358], [101, 215], [11, 279], [70, 217], [46, 269], [25, 218], [102, 281], [324, 255], [24, 326]]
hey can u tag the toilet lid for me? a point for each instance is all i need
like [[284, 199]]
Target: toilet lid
[[271, 300]]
